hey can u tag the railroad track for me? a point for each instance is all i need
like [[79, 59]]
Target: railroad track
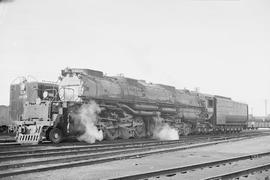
[[61, 151], [32, 149], [13, 144], [8, 151], [243, 172], [43, 160], [176, 172], [22, 154]]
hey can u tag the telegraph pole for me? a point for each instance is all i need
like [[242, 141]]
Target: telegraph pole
[[265, 103]]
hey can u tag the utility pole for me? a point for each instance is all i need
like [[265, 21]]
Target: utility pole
[[265, 102]]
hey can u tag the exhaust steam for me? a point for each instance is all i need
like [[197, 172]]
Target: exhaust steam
[[87, 119], [164, 132]]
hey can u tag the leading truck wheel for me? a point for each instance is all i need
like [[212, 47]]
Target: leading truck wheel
[[56, 135]]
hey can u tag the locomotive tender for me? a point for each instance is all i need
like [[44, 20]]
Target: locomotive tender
[[129, 108]]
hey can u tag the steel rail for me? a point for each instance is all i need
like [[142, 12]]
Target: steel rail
[[239, 173], [7, 140], [22, 150], [95, 159], [7, 144], [61, 163], [22, 154], [183, 169], [48, 143], [6, 156], [108, 143], [97, 155], [102, 143]]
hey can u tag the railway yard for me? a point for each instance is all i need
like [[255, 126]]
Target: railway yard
[[114, 127], [93, 126], [112, 90], [242, 155]]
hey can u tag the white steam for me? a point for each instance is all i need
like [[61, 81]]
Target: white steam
[[88, 119], [165, 132]]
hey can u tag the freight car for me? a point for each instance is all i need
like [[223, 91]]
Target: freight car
[[258, 122], [4, 119], [126, 108]]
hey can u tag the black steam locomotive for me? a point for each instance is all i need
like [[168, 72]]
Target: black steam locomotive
[[124, 108]]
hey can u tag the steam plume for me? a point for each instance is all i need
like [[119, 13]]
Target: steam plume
[[87, 120], [165, 132]]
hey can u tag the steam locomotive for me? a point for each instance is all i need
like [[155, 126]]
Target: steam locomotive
[[129, 108]]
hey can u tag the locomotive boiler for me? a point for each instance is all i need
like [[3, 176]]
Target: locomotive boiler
[[129, 108]]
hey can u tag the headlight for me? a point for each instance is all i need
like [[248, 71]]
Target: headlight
[[45, 94]]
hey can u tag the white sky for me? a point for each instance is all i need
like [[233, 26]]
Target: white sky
[[220, 46]]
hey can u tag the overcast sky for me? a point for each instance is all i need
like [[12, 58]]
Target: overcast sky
[[220, 46]]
